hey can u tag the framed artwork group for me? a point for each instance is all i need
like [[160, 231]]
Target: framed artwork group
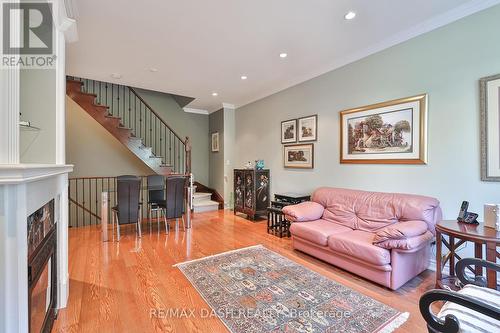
[[299, 155], [393, 132]]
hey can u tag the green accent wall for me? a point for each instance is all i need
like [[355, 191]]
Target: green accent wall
[[445, 63], [193, 125]]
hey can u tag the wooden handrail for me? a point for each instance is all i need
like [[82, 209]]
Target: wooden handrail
[[156, 114], [84, 208]]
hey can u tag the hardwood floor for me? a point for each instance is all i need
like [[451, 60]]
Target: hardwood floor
[[114, 286]]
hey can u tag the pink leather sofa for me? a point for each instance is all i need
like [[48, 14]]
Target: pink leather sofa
[[383, 237]]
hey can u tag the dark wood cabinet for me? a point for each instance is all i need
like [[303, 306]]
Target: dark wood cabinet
[[251, 192]]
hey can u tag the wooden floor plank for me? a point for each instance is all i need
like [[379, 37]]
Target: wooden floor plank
[[117, 286]]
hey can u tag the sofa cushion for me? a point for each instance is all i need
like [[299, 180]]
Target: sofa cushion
[[470, 320], [304, 211], [317, 231], [370, 211], [400, 231], [358, 244]]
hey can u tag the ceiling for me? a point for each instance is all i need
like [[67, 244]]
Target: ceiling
[[198, 47]]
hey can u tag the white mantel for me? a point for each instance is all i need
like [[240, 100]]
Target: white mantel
[[23, 189], [24, 173]]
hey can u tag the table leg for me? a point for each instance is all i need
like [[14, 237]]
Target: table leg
[[452, 256], [439, 257], [491, 255], [478, 254]]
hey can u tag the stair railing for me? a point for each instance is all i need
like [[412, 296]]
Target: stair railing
[[135, 113]]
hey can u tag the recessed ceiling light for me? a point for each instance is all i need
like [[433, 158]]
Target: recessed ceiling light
[[116, 76], [214, 94], [153, 70], [244, 77], [283, 55], [350, 15]]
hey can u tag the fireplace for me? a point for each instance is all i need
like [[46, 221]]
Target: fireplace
[[42, 269]]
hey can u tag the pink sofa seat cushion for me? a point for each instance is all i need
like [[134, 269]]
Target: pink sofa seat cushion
[[358, 244], [317, 231], [370, 211], [409, 243], [401, 230], [304, 211]]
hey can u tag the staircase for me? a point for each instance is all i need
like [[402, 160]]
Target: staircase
[[202, 202], [123, 112]]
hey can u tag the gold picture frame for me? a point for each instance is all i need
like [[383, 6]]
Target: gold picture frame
[[376, 136]]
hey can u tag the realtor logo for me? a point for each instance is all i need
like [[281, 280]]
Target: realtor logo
[[27, 34]]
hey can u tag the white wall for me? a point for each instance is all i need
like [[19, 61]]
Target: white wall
[[38, 106], [446, 63]]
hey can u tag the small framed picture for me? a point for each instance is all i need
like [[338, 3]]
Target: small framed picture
[[308, 128], [289, 131], [215, 142], [299, 156]]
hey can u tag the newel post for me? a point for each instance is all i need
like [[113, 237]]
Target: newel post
[[187, 147]]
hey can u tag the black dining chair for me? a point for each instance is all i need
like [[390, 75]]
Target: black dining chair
[[127, 209], [174, 204], [156, 196]]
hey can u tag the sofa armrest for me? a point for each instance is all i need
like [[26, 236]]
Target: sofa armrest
[[408, 243], [303, 212]]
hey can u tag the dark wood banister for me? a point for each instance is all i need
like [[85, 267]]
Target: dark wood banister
[[84, 208], [156, 114]]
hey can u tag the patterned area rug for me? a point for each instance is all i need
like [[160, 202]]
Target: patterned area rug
[[257, 290]]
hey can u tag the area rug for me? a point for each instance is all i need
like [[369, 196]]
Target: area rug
[[257, 290]]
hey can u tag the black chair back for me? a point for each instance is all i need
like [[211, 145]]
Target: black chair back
[[175, 196], [156, 189], [128, 193]]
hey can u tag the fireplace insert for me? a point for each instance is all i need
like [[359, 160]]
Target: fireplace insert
[[42, 271]]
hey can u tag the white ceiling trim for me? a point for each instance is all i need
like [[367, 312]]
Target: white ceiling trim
[[197, 111], [228, 106], [420, 29]]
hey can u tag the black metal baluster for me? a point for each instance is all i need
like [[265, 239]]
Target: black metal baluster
[[129, 112], [96, 201], [106, 92]]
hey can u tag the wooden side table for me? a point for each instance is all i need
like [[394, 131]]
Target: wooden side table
[[458, 233]]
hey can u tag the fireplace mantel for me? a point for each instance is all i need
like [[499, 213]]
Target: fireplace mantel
[[24, 188], [24, 173]]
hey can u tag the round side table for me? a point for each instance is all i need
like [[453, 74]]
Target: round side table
[[458, 233]]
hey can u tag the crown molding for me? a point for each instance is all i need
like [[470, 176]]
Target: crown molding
[[228, 106], [64, 17], [431, 24], [197, 111]]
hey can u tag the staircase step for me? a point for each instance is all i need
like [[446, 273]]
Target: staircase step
[[112, 117], [205, 206], [200, 196]]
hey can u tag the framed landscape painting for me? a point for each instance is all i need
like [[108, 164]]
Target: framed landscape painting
[[393, 132], [299, 156], [489, 88], [289, 131], [308, 129]]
